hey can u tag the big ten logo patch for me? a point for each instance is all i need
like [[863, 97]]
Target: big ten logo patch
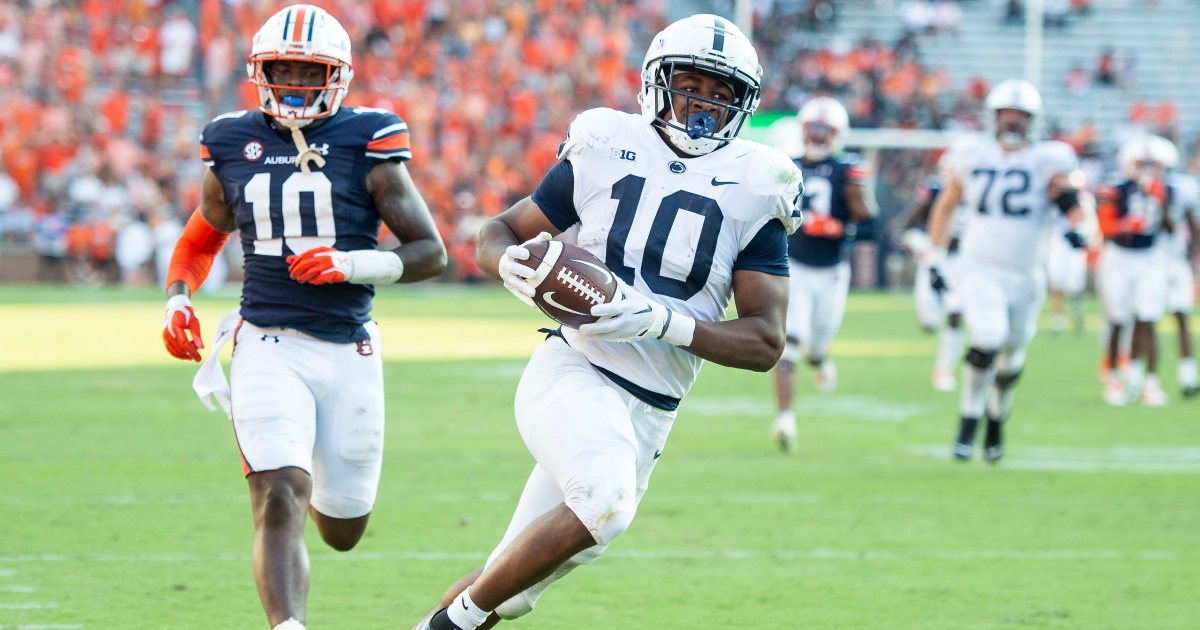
[[622, 154]]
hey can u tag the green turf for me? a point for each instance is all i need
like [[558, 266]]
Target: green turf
[[124, 508]]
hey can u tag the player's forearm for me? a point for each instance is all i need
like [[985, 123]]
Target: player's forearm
[[494, 238], [423, 259], [747, 343]]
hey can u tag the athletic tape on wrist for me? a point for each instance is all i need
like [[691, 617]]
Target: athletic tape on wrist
[[679, 329], [372, 266]]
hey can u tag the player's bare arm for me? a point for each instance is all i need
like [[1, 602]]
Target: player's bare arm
[[514, 226], [405, 213], [941, 213], [215, 212], [861, 206], [755, 340]]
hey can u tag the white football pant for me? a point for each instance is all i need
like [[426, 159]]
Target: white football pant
[[595, 446], [816, 305], [931, 308], [1135, 284], [1066, 267], [1001, 306], [1181, 289], [311, 404]]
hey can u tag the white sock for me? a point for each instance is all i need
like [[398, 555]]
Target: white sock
[[1136, 376], [290, 624], [974, 388], [465, 614], [1186, 371], [949, 349]]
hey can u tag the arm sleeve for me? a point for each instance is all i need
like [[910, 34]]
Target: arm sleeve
[[556, 196], [767, 251]]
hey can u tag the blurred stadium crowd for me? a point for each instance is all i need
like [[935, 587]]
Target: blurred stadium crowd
[[105, 98]]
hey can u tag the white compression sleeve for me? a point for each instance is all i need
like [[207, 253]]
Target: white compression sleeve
[[372, 266]]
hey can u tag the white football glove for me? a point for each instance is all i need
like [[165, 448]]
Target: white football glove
[[515, 274], [634, 317]]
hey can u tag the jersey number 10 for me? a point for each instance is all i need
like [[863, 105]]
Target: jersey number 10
[[628, 193], [258, 195]]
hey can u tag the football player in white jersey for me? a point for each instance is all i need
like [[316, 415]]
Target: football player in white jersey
[[1181, 289], [686, 215], [1134, 213], [835, 199], [937, 311], [1013, 186]]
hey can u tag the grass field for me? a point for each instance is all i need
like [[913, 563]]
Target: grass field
[[123, 505]]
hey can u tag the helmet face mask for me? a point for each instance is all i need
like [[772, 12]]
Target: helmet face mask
[[824, 125], [713, 48], [1012, 127], [1016, 129], [315, 81]]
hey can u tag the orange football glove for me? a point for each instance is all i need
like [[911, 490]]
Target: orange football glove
[[180, 321], [823, 227], [320, 265], [1133, 225]]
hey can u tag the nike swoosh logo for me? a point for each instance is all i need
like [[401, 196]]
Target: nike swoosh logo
[[657, 453], [607, 276], [648, 309], [717, 183], [549, 297]]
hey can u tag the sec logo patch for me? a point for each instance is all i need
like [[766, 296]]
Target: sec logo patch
[[253, 150]]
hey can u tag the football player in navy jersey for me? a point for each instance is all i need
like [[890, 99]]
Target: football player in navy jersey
[[835, 198], [307, 183]]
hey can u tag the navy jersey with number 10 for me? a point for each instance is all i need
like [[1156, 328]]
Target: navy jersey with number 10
[[282, 211]]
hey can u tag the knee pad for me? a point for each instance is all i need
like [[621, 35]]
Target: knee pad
[[981, 359], [1007, 380], [605, 501]]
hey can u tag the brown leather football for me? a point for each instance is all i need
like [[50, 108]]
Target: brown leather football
[[569, 281]]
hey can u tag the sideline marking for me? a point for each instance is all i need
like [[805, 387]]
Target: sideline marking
[[1116, 459]]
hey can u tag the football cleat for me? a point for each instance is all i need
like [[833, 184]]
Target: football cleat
[[993, 441], [1189, 390], [784, 433], [964, 446], [1114, 391], [826, 376], [1153, 394], [1058, 324], [944, 381]]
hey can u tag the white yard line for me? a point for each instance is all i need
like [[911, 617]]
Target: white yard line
[[43, 626], [7, 572], [29, 606], [16, 589], [1116, 459]]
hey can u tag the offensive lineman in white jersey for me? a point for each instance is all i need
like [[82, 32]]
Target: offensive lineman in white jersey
[[1013, 186], [1181, 288], [686, 215]]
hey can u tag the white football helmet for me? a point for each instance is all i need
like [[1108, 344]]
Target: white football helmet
[[306, 33], [712, 45], [1015, 94], [1147, 157], [824, 125]]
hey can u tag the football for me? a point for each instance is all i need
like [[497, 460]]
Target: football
[[569, 281]]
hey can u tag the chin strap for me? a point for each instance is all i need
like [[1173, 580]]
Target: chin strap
[[306, 153]]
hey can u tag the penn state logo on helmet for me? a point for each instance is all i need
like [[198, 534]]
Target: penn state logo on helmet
[[301, 33]]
